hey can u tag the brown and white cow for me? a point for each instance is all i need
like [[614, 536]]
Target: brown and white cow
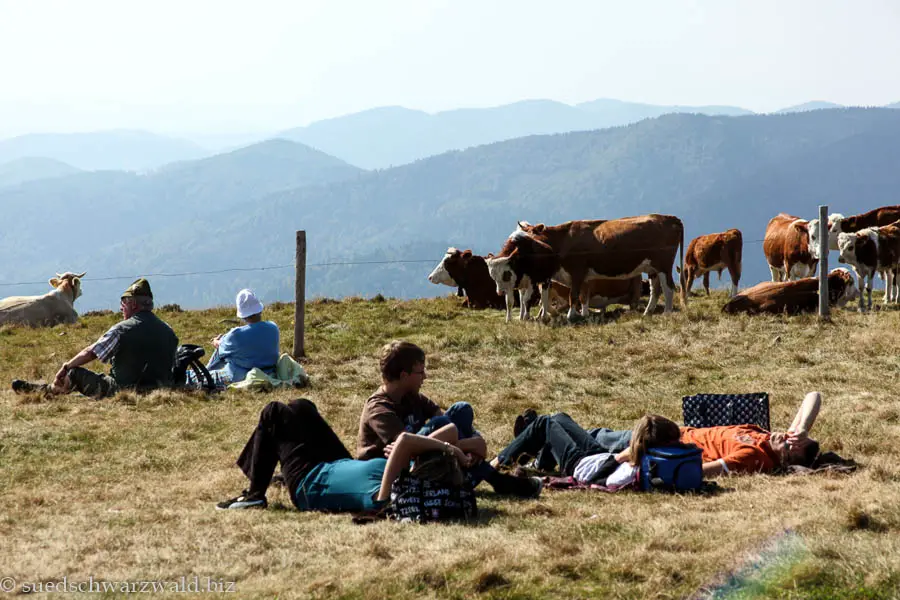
[[713, 252], [468, 271], [793, 297], [838, 224], [56, 306], [578, 251], [787, 248], [869, 251], [600, 293]]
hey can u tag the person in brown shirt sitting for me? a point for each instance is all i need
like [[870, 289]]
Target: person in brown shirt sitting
[[397, 407]]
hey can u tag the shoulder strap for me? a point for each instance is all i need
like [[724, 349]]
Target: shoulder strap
[[203, 376]]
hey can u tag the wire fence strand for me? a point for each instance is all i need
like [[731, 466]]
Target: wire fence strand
[[286, 266]]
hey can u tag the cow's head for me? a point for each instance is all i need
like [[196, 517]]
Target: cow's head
[[841, 287], [835, 226], [69, 283], [814, 234], [441, 274], [526, 227], [503, 271], [853, 245]]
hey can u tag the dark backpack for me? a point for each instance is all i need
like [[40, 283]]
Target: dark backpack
[[188, 356], [676, 468]]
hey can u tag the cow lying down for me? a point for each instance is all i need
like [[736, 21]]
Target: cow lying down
[[56, 306], [793, 297]]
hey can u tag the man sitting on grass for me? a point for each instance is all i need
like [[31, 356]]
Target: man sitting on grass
[[731, 449], [397, 407], [141, 349]]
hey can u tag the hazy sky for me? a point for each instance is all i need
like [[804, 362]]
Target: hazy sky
[[240, 66]]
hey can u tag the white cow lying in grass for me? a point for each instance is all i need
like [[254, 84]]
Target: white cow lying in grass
[[53, 307]]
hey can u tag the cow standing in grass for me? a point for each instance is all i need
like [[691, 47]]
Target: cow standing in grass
[[838, 224], [579, 251], [468, 272], [787, 248], [56, 306], [713, 252], [873, 250]]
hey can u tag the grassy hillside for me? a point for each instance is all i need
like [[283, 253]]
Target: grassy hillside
[[123, 489]]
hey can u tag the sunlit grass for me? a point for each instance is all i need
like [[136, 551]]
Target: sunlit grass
[[124, 488]]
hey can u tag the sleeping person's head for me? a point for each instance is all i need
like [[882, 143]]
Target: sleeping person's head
[[649, 431]]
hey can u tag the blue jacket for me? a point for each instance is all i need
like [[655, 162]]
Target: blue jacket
[[242, 348]]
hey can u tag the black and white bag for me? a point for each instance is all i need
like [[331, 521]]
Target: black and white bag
[[438, 493], [713, 410]]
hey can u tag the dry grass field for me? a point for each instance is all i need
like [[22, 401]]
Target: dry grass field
[[124, 489]]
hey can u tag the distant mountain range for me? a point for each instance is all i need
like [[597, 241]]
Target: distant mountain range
[[814, 105], [393, 136], [241, 210], [373, 139], [113, 150], [104, 211], [22, 170]]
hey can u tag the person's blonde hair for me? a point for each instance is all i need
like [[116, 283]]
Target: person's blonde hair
[[399, 356], [651, 430]]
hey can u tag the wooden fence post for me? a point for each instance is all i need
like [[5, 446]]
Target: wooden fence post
[[300, 297], [824, 307]]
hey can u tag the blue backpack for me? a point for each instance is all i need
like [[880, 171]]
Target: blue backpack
[[677, 468]]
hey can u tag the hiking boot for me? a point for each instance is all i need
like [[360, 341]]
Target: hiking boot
[[537, 484], [510, 485], [524, 420], [20, 386], [245, 500]]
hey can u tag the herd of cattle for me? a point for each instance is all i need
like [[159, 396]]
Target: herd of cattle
[[580, 265]]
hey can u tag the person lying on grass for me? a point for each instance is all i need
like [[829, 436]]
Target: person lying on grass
[[731, 449], [398, 406], [610, 462], [318, 470]]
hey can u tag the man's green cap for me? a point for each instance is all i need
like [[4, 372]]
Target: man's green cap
[[140, 287]]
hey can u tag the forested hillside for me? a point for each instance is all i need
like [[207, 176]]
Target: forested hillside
[[714, 172], [113, 222], [22, 170]]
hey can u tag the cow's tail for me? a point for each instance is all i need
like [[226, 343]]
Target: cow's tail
[[681, 276]]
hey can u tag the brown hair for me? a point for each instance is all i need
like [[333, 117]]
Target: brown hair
[[651, 430], [399, 356]]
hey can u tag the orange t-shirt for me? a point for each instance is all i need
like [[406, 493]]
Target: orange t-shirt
[[743, 448]]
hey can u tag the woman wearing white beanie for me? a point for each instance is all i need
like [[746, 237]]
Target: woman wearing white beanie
[[255, 344]]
